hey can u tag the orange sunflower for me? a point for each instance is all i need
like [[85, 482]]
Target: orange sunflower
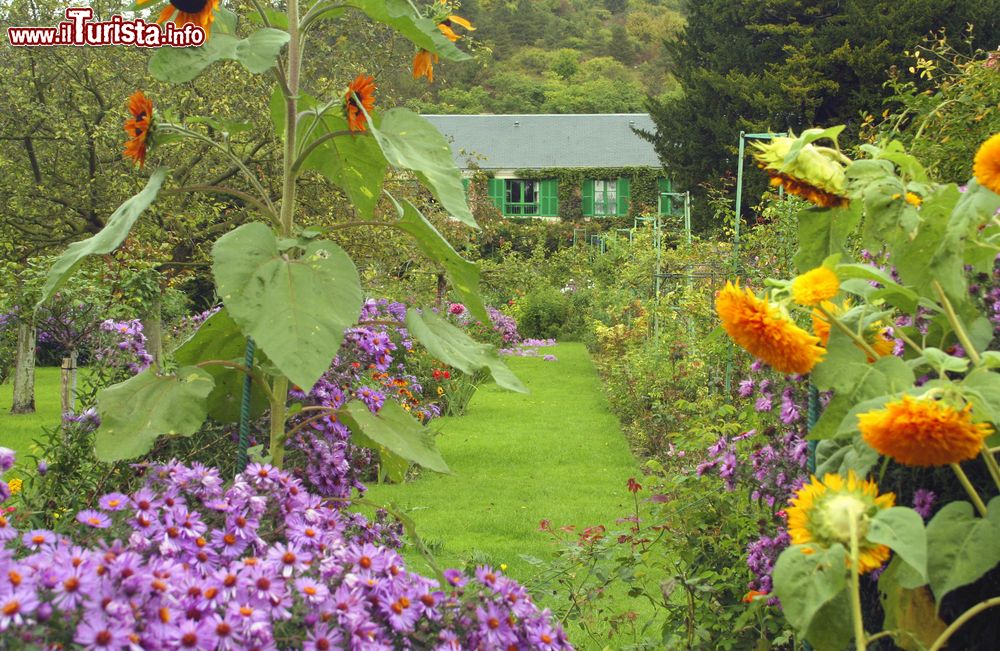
[[138, 127], [423, 65], [821, 512], [195, 12], [986, 166], [923, 432], [763, 330], [362, 90], [815, 286]]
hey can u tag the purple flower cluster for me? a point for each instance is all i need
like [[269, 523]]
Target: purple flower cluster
[[504, 326], [127, 348], [529, 348], [761, 557], [365, 369], [262, 564]]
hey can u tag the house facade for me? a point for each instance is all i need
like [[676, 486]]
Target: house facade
[[551, 166]]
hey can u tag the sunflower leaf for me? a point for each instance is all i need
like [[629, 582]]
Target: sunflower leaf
[[410, 142], [296, 309], [807, 578], [464, 275], [111, 236], [395, 434], [901, 530], [400, 15], [961, 548], [258, 53]]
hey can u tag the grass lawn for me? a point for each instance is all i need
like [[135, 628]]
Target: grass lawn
[[19, 431], [557, 454]]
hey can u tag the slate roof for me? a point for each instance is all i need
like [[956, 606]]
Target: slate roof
[[547, 140]]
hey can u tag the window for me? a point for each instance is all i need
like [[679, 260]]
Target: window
[[521, 197], [606, 197]]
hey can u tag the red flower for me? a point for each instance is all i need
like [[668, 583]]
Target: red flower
[[633, 485], [363, 87]]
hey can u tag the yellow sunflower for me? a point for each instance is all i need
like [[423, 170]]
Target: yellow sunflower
[[821, 512], [986, 166], [764, 331], [923, 432], [815, 286], [815, 173]]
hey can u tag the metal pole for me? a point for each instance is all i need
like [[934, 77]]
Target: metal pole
[[244, 441], [687, 216]]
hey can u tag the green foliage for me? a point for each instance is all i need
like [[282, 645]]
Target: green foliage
[[643, 188], [543, 313], [136, 412], [257, 53], [398, 438], [808, 579], [296, 309], [962, 548]]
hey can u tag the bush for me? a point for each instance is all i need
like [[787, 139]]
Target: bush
[[543, 313]]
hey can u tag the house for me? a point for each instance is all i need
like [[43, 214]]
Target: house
[[576, 165]]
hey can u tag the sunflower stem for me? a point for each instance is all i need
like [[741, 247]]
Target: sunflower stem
[[991, 464], [861, 343], [970, 489], [860, 641], [962, 619], [279, 400], [963, 336]]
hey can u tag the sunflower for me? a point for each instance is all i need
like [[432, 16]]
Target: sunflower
[[911, 198], [815, 286], [820, 326], [195, 12], [363, 88], [423, 65], [766, 332], [986, 166], [446, 20], [821, 512], [815, 174], [923, 432], [138, 127]]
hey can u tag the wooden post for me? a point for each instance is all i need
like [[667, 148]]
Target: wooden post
[[152, 328], [66, 373], [442, 289], [24, 369]]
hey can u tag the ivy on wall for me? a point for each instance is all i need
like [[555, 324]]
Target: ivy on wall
[[642, 183]]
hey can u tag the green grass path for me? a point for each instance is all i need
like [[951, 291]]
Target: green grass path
[[18, 432], [557, 454]]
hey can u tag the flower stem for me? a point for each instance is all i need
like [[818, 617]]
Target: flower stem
[[991, 464], [962, 619], [278, 413], [963, 336], [860, 641], [861, 343], [970, 489]]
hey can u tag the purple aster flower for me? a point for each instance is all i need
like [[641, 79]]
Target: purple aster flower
[[7, 457], [17, 605], [923, 502], [94, 519], [38, 538], [746, 388], [113, 502], [763, 403]]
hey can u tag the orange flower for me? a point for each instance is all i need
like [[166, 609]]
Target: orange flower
[[423, 65], [452, 19], [765, 332], [986, 167], [753, 594], [138, 127], [923, 432], [196, 12], [815, 286], [364, 88]]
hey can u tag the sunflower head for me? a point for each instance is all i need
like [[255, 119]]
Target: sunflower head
[[813, 173], [815, 286], [824, 512], [923, 432], [138, 128], [423, 65], [183, 12], [446, 21], [986, 166], [766, 332], [360, 94]]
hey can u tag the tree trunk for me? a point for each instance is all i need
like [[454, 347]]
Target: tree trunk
[[24, 369], [152, 328]]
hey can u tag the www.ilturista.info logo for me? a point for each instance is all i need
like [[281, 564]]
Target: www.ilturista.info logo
[[79, 29]]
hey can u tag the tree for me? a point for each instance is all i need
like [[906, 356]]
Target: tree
[[782, 65]]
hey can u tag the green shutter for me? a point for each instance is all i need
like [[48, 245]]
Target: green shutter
[[549, 206], [588, 198], [465, 186], [623, 197], [495, 190], [663, 185]]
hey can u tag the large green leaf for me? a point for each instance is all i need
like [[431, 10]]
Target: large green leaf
[[395, 431], [110, 237], [961, 547], [455, 348], [909, 610], [901, 530], [982, 388], [400, 15], [295, 308], [136, 412], [220, 339], [410, 142], [464, 275], [258, 53], [838, 456], [822, 233], [805, 582]]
